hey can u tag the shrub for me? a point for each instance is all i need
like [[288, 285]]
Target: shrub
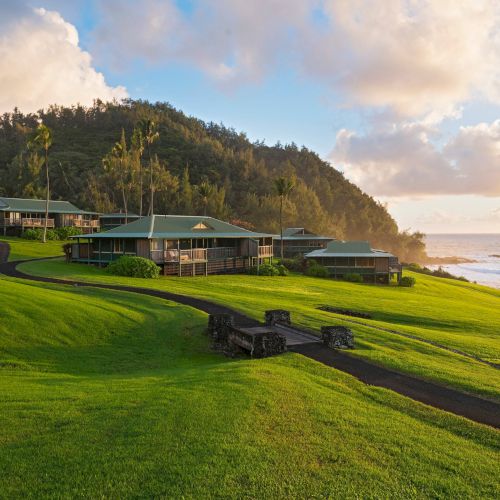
[[407, 281], [282, 270], [316, 270], [439, 272], [64, 233], [32, 234], [51, 234], [269, 270], [60, 233], [136, 267], [296, 264], [353, 278]]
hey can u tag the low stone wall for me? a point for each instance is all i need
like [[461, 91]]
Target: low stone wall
[[219, 326], [345, 312], [337, 337], [280, 316]]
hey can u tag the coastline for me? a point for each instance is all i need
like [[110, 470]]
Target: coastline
[[473, 256]]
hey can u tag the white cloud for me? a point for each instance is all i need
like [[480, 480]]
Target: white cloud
[[415, 58], [41, 63], [232, 41], [405, 160]]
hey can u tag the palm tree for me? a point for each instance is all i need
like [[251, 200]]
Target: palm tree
[[283, 187], [151, 134], [118, 165], [205, 191], [136, 150], [43, 140]]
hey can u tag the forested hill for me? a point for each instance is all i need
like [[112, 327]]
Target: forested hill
[[239, 173]]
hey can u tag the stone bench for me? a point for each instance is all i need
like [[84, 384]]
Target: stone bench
[[258, 342]]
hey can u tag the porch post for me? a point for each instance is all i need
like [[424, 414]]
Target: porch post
[[179, 256], [249, 257], [100, 258], [193, 264]]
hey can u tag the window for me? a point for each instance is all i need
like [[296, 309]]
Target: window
[[105, 245], [118, 246], [156, 244], [130, 245], [202, 225], [365, 262]]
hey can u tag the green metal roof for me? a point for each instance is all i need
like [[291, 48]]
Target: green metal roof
[[118, 214], [176, 227], [38, 206], [300, 233], [338, 248]]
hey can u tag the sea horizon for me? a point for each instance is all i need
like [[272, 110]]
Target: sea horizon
[[481, 248]]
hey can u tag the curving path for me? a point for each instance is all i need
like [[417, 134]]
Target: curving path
[[472, 407], [4, 252], [425, 341]]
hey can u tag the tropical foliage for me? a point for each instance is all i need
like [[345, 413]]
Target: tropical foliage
[[135, 267], [169, 161]]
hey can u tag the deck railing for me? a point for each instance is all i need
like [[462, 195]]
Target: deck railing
[[265, 251], [196, 254], [37, 222], [203, 254], [85, 223], [222, 252]]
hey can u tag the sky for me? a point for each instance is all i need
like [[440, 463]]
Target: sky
[[402, 96]]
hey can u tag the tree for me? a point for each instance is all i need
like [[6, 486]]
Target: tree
[[283, 187], [43, 140], [136, 150], [117, 164], [185, 201], [162, 180], [151, 134], [205, 190]]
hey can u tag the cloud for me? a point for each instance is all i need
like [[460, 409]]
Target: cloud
[[406, 160], [41, 63], [412, 58], [232, 41]]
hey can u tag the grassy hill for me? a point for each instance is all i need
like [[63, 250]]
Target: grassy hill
[[114, 394], [454, 314], [21, 249]]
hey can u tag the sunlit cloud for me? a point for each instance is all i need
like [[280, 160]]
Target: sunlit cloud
[[404, 160], [41, 63]]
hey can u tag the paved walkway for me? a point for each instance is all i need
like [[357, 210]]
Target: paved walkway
[[4, 252], [469, 406]]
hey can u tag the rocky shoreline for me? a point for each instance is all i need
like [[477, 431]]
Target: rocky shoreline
[[447, 260]]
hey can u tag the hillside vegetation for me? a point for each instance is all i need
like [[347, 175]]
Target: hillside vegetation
[[109, 394], [454, 314], [187, 155]]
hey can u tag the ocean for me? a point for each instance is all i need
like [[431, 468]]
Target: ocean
[[478, 247]]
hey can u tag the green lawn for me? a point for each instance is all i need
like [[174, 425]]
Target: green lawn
[[21, 249], [458, 315], [109, 394]]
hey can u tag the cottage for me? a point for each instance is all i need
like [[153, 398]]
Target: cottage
[[299, 241], [17, 214], [181, 245], [110, 221], [346, 257]]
